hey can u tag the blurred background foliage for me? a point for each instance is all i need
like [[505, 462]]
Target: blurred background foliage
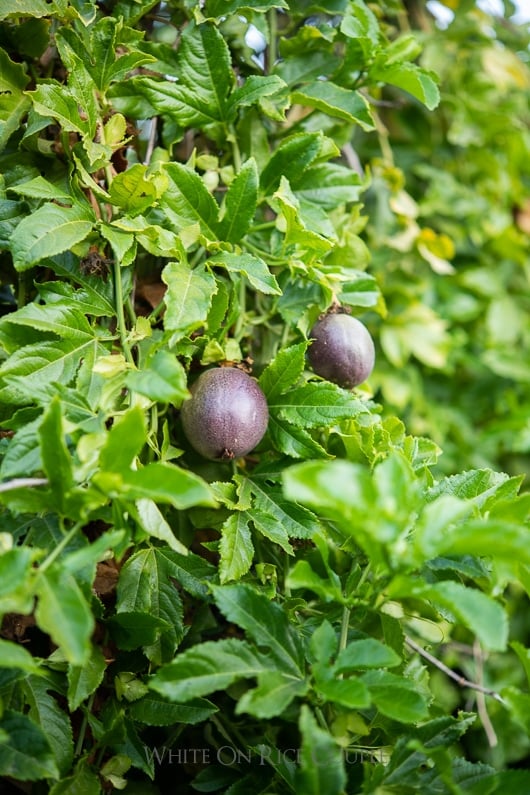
[[449, 210]]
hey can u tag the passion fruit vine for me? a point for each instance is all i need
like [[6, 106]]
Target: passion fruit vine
[[227, 414], [342, 350]]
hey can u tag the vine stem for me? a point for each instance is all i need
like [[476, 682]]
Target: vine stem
[[120, 313], [59, 548], [461, 680], [345, 625], [273, 38]]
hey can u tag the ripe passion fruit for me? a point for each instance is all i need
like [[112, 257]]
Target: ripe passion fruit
[[226, 415], [342, 350]]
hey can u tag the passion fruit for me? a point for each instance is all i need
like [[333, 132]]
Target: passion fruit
[[226, 415], [342, 350]]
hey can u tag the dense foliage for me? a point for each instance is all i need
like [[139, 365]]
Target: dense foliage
[[190, 185]]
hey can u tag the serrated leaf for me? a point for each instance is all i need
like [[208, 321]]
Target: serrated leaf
[[297, 521], [25, 753], [100, 291], [255, 88], [350, 693], [299, 231], [290, 160], [49, 230], [269, 527], [53, 720], [274, 693], [360, 22], [240, 203], [265, 622], [13, 80], [283, 372], [24, 8], [22, 456], [293, 441], [205, 668], [146, 586], [188, 297], [235, 547], [328, 184], [57, 101], [153, 710], [396, 697], [66, 321], [336, 101], [83, 680], [133, 190], [321, 767], [254, 269], [187, 200], [63, 612], [29, 374], [15, 575], [317, 405], [365, 653]]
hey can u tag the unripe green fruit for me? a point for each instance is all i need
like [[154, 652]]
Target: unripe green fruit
[[342, 350], [227, 414]]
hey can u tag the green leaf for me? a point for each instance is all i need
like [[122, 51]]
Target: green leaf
[[13, 81], [365, 653], [296, 521], [411, 78], [161, 482], [152, 521], [220, 8], [124, 441], [56, 459], [66, 321], [40, 188], [265, 622], [317, 405], [63, 612], [188, 297], [275, 691], [83, 680], [336, 101], [24, 8], [252, 268], [187, 200], [153, 710], [108, 61], [235, 548], [53, 720], [321, 762], [350, 693], [396, 697], [205, 80], [205, 668], [57, 101], [13, 655], [146, 586], [292, 441], [240, 203], [50, 230], [283, 372], [15, 575], [133, 190], [290, 160], [255, 88], [25, 753], [360, 22], [327, 185], [29, 375], [475, 610]]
